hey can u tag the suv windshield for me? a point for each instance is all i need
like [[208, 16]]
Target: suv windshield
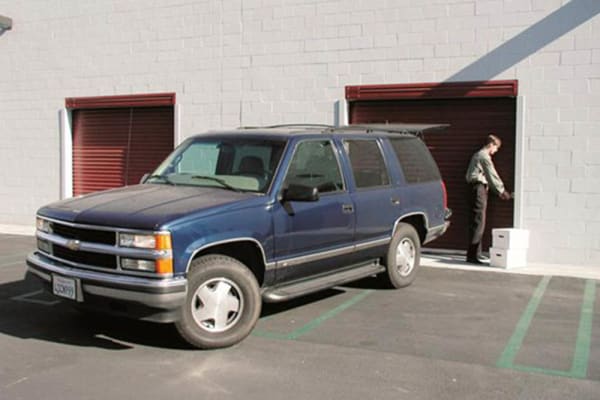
[[237, 164]]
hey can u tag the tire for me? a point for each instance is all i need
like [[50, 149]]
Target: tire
[[403, 257], [222, 305]]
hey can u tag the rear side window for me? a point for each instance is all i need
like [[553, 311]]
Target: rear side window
[[415, 159], [368, 166]]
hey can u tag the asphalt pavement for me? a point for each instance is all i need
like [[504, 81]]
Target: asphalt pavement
[[459, 332]]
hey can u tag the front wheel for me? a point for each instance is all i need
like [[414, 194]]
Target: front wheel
[[222, 305], [404, 257]]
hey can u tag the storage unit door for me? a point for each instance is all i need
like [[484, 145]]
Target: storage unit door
[[117, 146], [471, 120]]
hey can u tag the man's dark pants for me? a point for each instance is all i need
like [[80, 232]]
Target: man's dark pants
[[479, 199]]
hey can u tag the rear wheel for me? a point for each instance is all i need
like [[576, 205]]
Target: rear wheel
[[404, 257], [222, 305]]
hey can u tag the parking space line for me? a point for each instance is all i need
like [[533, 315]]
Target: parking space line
[[314, 323], [584, 335], [329, 314], [514, 344]]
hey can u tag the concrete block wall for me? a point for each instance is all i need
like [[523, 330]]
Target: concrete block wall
[[255, 62]]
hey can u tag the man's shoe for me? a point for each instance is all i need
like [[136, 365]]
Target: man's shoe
[[475, 261]]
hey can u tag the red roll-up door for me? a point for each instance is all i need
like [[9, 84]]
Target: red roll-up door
[[114, 147], [471, 119]]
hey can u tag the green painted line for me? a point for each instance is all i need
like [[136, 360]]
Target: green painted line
[[328, 315], [584, 335], [584, 332], [315, 322], [507, 358]]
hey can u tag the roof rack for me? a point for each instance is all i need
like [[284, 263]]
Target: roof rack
[[415, 129], [289, 126], [397, 128]]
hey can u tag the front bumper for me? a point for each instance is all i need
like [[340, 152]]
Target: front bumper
[[160, 299]]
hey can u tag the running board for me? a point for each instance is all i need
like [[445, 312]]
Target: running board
[[296, 289]]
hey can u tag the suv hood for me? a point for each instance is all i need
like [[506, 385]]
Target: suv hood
[[146, 206]]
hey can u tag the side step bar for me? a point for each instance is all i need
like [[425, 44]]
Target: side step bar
[[300, 288]]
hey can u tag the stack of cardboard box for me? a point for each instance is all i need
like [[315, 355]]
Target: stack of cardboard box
[[509, 248]]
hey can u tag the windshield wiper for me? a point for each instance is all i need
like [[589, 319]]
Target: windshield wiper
[[163, 178], [220, 181]]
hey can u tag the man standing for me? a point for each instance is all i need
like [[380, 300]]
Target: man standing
[[482, 175]]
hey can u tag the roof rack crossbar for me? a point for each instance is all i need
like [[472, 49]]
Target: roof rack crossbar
[[414, 129], [290, 126], [394, 128]]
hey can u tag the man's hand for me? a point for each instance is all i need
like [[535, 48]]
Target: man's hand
[[505, 195]]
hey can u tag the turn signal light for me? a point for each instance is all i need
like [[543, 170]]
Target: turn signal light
[[164, 266], [162, 241]]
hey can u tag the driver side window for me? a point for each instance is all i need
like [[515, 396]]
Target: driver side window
[[315, 165]]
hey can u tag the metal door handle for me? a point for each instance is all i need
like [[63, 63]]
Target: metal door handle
[[347, 209], [395, 201]]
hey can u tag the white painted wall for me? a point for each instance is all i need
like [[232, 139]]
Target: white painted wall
[[258, 62]]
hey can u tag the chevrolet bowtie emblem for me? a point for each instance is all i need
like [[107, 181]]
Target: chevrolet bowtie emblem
[[74, 245]]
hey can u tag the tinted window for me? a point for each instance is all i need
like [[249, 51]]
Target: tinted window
[[417, 163], [315, 165], [368, 166]]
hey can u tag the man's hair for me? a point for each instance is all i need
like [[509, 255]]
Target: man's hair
[[493, 139]]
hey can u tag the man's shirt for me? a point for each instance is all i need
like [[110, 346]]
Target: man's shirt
[[481, 170]]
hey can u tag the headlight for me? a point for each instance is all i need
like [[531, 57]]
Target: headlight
[[43, 225], [44, 246], [158, 241], [135, 240]]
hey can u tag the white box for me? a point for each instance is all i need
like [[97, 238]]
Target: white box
[[508, 258], [510, 238]]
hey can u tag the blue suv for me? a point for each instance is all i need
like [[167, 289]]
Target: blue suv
[[234, 218]]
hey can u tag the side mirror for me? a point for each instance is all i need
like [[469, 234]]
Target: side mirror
[[146, 175], [296, 192]]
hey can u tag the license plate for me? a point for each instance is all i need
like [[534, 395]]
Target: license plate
[[64, 287]]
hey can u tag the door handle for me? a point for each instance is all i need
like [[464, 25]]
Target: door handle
[[395, 201], [347, 208]]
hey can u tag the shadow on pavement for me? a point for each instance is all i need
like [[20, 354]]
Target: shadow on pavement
[[29, 312]]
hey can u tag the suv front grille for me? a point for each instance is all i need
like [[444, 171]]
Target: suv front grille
[[85, 235], [85, 257]]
